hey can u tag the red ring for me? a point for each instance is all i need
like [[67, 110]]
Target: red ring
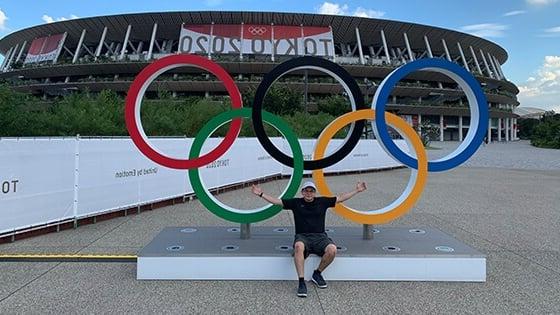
[[144, 79]]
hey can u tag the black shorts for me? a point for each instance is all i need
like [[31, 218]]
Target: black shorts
[[315, 243]]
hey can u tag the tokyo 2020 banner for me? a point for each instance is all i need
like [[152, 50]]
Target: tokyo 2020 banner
[[361, 114], [256, 39]]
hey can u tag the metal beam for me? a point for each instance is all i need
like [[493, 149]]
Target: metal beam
[[385, 46], [486, 64], [125, 41], [463, 57], [210, 41], [447, 55], [428, 47], [79, 47], [153, 38], [407, 43], [360, 51], [21, 51], [475, 60], [498, 67], [493, 66], [272, 38], [6, 58], [241, 43], [12, 57], [60, 51], [101, 41]]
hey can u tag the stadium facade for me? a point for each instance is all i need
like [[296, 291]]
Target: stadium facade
[[107, 52]]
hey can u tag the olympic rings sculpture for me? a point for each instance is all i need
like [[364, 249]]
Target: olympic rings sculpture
[[418, 162]]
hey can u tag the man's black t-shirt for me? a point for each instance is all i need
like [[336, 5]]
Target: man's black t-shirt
[[309, 216]]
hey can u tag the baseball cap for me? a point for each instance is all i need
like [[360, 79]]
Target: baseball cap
[[308, 184]]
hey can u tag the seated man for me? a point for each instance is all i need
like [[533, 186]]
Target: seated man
[[309, 217]]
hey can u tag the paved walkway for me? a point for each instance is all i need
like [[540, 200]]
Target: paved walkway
[[505, 208]]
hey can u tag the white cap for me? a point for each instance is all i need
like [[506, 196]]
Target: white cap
[[308, 184]]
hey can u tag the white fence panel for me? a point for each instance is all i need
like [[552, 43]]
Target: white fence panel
[[37, 182]]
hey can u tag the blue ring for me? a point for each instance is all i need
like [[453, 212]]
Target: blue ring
[[384, 91]]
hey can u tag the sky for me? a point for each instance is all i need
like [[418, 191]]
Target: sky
[[529, 30]]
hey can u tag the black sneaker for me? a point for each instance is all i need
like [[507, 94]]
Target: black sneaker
[[319, 280], [302, 290]]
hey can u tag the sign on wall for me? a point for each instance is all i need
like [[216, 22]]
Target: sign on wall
[[45, 48], [256, 39]]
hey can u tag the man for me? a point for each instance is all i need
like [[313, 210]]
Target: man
[[309, 217]]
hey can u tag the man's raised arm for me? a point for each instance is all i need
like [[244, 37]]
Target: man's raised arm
[[360, 186], [273, 200]]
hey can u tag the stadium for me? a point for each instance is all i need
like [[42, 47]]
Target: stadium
[[107, 52]]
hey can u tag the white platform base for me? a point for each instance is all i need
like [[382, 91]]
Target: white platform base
[[343, 268], [395, 254]]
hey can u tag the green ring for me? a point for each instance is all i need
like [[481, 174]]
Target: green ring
[[229, 213]]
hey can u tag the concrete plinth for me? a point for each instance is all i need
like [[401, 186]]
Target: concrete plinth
[[394, 254]]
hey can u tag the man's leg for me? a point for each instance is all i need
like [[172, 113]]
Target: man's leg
[[299, 261], [328, 257], [299, 258]]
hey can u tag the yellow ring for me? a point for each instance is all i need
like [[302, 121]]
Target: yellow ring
[[418, 180]]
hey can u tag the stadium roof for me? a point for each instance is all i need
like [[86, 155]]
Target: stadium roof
[[169, 24]]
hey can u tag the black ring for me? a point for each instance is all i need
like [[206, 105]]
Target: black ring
[[279, 71]]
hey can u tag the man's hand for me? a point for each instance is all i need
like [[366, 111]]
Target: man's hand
[[256, 190], [361, 186]]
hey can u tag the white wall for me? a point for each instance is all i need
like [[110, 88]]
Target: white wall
[[48, 180]]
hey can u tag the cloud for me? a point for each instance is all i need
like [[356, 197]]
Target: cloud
[[553, 30], [550, 32], [333, 9], [543, 89], [343, 9], [3, 19], [486, 29], [516, 12], [49, 19], [540, 2], [361, 12]]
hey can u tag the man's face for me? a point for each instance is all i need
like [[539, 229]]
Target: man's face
[[308, 193]]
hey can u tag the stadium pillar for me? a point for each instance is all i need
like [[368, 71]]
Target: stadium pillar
[[507, 129], [79, 47], [499, 68], [447, 55], [125, 42], [428, 47], [152, 40], [20, 51], [493, 67], [385, 48], [486, 64], [440, 127], [6, 58], [460, 128], [360, 51], [489, 130], [465, 64], [407, 43], [12, 57], [499, 129], [101, 41], [475, 60]]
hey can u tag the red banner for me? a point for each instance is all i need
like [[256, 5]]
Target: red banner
[[45, 48]]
